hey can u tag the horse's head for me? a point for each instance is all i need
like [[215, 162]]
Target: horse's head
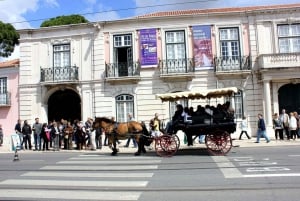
[[105, 123]]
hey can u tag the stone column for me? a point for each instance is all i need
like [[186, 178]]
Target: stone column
[[267, 99]]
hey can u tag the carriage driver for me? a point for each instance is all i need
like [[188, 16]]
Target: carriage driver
[[155, 126]]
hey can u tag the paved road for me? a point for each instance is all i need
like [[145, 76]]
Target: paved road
[[247, 173]]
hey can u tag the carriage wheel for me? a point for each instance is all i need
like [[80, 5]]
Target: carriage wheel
[[166, 145], [176, 138], [218, 144]]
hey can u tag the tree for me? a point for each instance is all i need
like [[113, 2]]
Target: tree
[[9, 38], [63, 20]]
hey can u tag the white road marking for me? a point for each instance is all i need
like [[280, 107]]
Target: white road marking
[[110, 162], [267, 169], [72, 195], [82, 168], [226, 167], [273, 175], [88, 174], [73, 183], [256, 163]]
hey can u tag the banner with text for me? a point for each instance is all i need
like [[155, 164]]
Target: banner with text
[[202, 47], [148, 47]]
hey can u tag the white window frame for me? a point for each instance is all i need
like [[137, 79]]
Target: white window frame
[[288, 38], [3, 91], [124, 105], [63, 51]]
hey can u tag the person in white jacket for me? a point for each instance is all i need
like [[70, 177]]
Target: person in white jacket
[[244, 128], [293, 126]]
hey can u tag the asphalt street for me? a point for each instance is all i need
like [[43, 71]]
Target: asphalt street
[[265, 171]]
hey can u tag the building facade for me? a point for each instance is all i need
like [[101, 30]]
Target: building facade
[[116, 67], [9, 96]]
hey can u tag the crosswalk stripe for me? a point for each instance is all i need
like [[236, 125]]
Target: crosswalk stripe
[[29, 194], [84, 167], [88, 174], [73, 183], [226, 167], [113, 162], [112, 158]]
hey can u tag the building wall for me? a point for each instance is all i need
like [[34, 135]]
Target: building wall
[[10, 114]]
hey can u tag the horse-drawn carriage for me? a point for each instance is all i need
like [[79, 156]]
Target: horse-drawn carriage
[[216, 127], [217, 131]]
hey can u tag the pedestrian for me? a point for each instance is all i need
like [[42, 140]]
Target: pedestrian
[[244, 128], [284, 118], [1, 135], [18, 130], [98, 139], [68, 135], [45, 136], [293, 126], [55, 136], [278, 127], [27, 132], [155, 126], [37, 129], [261, 129], [131, 118]]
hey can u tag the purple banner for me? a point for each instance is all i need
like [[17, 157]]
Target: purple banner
[[202, 46], [148, 47]]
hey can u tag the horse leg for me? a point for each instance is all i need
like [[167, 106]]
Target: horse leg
[[141, 147], [114, 148]]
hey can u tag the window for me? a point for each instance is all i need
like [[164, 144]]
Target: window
[[123, 56], [122, 40], [238, 104], [289, 38], [124, 104], [61, 55], [175, 45], [3, 91], [229, 41]]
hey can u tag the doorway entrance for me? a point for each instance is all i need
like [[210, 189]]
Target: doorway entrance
[[64, 104], [289, 98]]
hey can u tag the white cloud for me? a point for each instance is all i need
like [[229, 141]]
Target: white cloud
[[99, 12], [52, 3]]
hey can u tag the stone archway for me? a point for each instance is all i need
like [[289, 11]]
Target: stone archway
[[64, 104], [289, 98]]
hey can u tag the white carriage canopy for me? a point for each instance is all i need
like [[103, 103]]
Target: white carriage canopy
[[198, 94]]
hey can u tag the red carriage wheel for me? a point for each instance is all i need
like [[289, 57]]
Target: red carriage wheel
[[219, 143], [166, 145]]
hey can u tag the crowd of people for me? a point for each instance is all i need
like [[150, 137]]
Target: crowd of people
[[58, 135], [286, 125]]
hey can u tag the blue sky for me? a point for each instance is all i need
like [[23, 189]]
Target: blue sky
[[33, 12], [24, 14]]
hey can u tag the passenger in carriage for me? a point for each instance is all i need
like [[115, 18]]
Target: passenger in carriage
[[187, 115], [177, 117]]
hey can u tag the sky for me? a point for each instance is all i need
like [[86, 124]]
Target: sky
[[24, 14]]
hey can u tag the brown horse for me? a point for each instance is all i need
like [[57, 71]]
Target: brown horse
[[120, 131]]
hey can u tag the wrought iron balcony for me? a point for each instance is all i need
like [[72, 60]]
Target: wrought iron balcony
[[5, 99], [122, 69], [55, 74], [176, 66], [232, 63], [279, 60]]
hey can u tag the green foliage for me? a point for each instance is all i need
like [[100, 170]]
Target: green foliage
[[64, 20], [9, 38]]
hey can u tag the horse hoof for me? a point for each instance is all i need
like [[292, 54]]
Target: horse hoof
[[137, 153], [114, 153]]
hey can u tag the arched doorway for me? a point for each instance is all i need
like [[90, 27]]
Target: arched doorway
[[64, 104], [289, 98]]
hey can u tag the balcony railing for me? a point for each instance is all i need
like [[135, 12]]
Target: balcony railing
[[175, 66], [122, 69], [54, 74], [279, 60], [232, 63], [5, 99]]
